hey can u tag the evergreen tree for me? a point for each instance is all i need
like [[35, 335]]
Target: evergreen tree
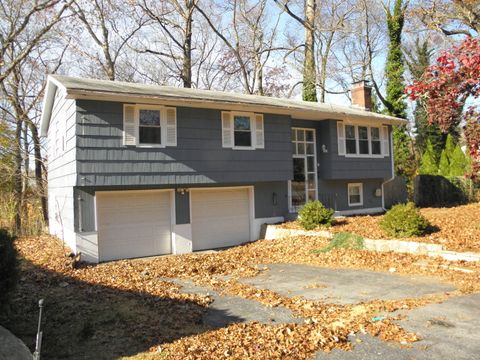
[[444, 165], [394, 68], [418, 61], [446, 156], [394, 101], [459, 164], [428, 163]]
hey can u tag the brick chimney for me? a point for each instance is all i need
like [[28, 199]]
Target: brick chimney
[[362, 94]]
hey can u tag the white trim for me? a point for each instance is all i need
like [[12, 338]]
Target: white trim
[[182, 240], [95, 212], [173, 220], [291, 208], [251, 210], [368, 211], [163, 124], [352, 185], [357, 140], [393, 171], [251, 116]]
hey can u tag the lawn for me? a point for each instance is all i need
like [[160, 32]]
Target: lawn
[[457, 228], [128, 308]]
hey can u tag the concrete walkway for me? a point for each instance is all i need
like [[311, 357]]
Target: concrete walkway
[[11, 347]]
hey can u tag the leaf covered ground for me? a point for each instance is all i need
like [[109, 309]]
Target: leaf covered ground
[[126, 308], [457, 228]]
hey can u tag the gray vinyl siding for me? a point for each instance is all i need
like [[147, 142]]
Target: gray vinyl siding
[[198, 158], [334, 193], [332, 166], [62, 169]]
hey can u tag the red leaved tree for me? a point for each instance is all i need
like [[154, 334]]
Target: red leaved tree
[[450, 84]]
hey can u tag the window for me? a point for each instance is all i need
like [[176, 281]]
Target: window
[[351, 139], [375, 140], [303, 187], [149, 130], [355, 194], [242, 131], [149, 125], [362, 140]]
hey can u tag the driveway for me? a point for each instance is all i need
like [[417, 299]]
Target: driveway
[[447, 330]]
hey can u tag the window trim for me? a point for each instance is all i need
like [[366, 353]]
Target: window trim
[[251, 117], [357, 141], [163, 125], [350, 186], [291, 208], [139, 108]]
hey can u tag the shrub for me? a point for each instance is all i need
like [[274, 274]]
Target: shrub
[[314, 214], [404, 220], [344, 240], [8, 265]]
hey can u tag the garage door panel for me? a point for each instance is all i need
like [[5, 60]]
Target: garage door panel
[[220, 218], [133, 224]]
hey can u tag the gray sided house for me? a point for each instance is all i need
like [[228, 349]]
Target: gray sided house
[[138, 170]]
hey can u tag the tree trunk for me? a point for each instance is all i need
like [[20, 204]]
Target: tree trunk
[[309, 70], [259, 75], [18, 183], [26, 156], [38, 170], [187, 46], [323, 68]]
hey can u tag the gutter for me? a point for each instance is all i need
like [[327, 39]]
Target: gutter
[[393, 171]]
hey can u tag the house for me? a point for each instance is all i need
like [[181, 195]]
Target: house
[[137, 170]]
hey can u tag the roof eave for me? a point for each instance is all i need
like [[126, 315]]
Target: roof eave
[[48, 101], [294, 112]]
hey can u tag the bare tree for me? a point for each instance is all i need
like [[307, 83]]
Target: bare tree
[[111, 25], [174, 19], [249, 41], [308, 23], [24, 24], [451, 17]]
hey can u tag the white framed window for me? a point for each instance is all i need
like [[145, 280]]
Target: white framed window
[[362, 140], [242, 130], [355, 194], [303, 187], [149, 125]]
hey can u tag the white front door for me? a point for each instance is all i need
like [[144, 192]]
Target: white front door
[[303, 187], [133, 224], [220, 217]]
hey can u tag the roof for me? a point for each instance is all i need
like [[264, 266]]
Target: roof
[[93, 89]]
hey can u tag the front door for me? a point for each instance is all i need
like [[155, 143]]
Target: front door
[[303, 187]]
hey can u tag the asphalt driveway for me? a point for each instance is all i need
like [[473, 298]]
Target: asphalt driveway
[[447, 330]]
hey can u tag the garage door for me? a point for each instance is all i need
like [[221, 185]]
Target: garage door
[[220, 218], [133, 224]]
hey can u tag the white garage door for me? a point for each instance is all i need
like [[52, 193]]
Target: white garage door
[[219, 218], [133, 224]]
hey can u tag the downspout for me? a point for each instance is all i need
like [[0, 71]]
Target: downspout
[[393, 171]]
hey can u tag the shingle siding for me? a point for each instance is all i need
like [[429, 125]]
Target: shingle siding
[[62, 169], [332, 166], [198, 158]]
